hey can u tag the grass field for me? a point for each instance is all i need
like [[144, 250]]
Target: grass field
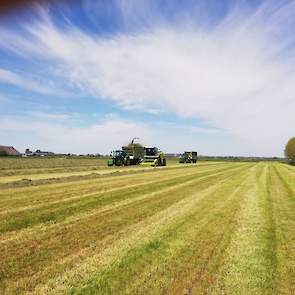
[[78, 227]]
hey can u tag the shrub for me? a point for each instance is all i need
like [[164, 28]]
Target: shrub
[[290, 151]]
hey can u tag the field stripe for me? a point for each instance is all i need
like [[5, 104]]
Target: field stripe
[[71, 220], [188, 258], [156, 204], [135, 235], [46, 189], [283, 187], [59, 211], [252, 260], [106, 171], [54, 197]]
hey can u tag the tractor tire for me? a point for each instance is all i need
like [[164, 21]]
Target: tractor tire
[[119, 163], [164, 162]]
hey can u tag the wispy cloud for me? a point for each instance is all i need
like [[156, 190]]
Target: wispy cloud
[[108, 133], [30, 82], [48, 116], [238, 75], [101, 137]]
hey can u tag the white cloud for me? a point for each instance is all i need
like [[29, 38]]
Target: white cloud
[[102, 137], [237, 75], [107, 134], [26, 81], [48, 116], [4, 99]]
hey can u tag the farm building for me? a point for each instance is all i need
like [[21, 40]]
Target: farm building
[[9, 151]]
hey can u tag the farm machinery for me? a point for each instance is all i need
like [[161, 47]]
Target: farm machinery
[[188, 157], [153, 157], [131, 154], [135, 154]]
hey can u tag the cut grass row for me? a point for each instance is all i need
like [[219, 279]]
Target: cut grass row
[[43, 163], [45, 193], [252, 256], [224, 229], [167, 262], [283, 187], [32, 177], [25, 256]]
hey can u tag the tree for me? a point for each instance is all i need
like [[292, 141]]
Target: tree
[[290, 151]]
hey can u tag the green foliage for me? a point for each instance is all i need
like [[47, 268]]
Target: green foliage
[[290, 150]]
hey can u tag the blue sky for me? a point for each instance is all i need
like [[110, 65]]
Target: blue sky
[[213, 76]]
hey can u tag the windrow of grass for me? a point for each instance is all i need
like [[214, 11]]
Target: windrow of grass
[[35, 258], [43, 163], [283, 187], [34, 178], [14, 165], [220, 229], [34, 171], [58, 211], [95, 211], [170, 260], [22, 197], [251, 262]]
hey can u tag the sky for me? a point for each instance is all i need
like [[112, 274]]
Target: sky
[[215, 76]]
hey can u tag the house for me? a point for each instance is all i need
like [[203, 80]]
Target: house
[[8, 151]]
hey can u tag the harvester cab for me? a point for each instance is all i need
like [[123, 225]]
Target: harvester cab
[[188, 157], [153, 157]]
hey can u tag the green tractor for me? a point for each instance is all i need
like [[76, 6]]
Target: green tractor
[[131, 154], [118, 158], [153, 157], [188, 157]]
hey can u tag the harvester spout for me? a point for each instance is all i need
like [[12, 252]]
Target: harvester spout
[[133, 139]]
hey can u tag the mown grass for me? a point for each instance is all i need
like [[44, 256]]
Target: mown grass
[[100, 226], [206, 229], [169, 255], [43, 163], [10, 178], [57, 212], [56, 191]]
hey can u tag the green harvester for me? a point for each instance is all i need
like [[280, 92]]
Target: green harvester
[[153, 157]]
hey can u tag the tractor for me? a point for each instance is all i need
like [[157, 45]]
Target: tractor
[[188, 157], [153, 157], [131, 154], [118, 158]]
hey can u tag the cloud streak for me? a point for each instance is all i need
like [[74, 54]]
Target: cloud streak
[[100, 137], [33, 83], [237, 75]]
